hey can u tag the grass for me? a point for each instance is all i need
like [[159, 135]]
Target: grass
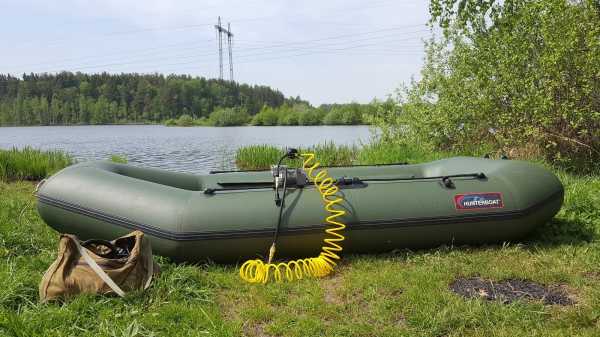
[[117, 158], [403, 293], [31, 164], [260, 157]]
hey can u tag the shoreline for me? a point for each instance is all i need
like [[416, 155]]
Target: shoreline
[[177, 126]]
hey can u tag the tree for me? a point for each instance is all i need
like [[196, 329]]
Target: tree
[[56, 110], [65, 98]]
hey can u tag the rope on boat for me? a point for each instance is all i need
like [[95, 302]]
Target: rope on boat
[[257, 271]]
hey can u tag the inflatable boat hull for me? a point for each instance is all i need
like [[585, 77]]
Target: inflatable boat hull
[[197, 217]]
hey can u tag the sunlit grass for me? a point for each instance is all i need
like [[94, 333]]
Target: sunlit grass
[[31, 164], [261, 157], [120, 159], [402, 293]]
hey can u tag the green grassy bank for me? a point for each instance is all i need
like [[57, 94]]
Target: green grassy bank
[[404, 293], [31, 164]]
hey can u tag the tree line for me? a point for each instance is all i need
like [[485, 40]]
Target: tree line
[[76, 98], [288, 114]]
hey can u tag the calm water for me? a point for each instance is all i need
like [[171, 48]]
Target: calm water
[[195, 150]]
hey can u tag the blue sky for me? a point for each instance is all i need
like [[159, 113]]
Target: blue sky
[[323, 51]]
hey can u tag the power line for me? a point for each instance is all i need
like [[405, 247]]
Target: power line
[[113, 34], [285, 54], [279, 49], [117, 34], [189, 45], [307, 47], [339, 51], [335, 37], [265, 49], [248, 52]]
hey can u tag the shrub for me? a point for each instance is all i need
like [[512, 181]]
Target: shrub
[[311, 117], [170, 122], [333, 117], [267, 116], [229, 117], [517, 77], [347, 114], [185, 120], [290, 117]]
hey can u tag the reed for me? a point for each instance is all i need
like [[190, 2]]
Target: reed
[[117, 158], [31, 164], [261, 157], [381, 152], [257, 157]]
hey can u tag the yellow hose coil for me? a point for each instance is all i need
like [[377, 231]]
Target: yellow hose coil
[[257, 271]]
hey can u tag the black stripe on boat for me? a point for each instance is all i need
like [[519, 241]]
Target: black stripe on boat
[[267, 232]]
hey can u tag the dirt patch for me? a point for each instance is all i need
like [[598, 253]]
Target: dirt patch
[[227, 305], [510, 290], [230, 310], [331, 285], [592, 275], [400, 321], [255, 330]]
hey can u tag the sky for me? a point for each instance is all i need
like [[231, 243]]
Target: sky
[[334, 51]]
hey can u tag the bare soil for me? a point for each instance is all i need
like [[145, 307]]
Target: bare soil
[[511, 290]]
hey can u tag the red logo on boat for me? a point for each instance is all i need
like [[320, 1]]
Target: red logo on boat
[[478, 200]]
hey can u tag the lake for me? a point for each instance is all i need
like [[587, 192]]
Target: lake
[[194, 150]]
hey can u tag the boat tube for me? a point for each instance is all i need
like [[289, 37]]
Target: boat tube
[[231, 216]]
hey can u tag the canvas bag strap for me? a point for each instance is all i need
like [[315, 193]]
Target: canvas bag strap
[[96, 268], [149, 262]]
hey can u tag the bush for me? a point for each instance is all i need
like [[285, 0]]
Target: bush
[[31, 164], [347, 114], [267, 116], [311, 117], [290, 117], [296, 114], [520, 79], [185, 120], [333, 117], [229, 117], [170, 122]]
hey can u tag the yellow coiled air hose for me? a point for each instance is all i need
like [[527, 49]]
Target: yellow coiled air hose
[[257, 271]]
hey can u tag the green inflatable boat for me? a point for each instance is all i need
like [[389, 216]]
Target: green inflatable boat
[[231, 216]]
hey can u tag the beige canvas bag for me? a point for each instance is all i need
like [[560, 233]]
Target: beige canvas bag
[[99, 267]]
